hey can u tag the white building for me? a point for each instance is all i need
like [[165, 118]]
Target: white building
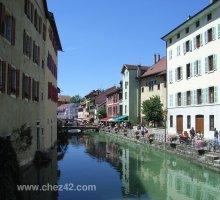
[[193, 72]]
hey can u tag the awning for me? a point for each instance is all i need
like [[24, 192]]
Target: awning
[[105, 119], [120, 118], [87, 119]]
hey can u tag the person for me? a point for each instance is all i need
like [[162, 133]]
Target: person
[[142, 130], [215, 133], [192, 133]]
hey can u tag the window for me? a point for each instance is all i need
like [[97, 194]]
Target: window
[[210, 63], [44, 32], [126, 84], [151, 85], [188, 98], [197, 24], [2, 76], [210, 35], [13, 81], [27, 44], [197, 67], [158, 86], [179, 98], [36, 53], [209, 16], [170, 40], [178, 51], [199, 96], [211, 94], [187, 30], [178, 35], [197, 41], [188, 46], [178, 73], [211, 122], [40, 25], [188, 121], [36, 20], [142, 89], [171, 120], [26, 87], [188, 71]]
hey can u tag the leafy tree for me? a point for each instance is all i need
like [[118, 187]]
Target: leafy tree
[[152, 109], [101, 112], [76, 99]]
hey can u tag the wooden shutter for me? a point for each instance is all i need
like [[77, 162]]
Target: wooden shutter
[[33, 89], [2, 18], [17, 82], [203, 96], [34, 51], [192, 97], [13, 31], [213, 33], [32, 12], [195, 66], [195, 96], [9, 80], [30, 47], [176, 101], [181, 73]]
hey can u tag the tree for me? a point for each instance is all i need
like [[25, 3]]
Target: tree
[[76, 99], [101, 112], [152, 109]]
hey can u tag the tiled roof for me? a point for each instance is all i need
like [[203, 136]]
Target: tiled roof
[[158, 68], [116, 90], [133, 67], [64, 98], [101, 98]]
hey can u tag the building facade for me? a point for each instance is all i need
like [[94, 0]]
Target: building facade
[[193, 71], [28, 72], [68, 111], [131, 91], [153, 83]]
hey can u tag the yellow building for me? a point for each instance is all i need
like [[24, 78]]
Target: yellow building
[[153, 82], [29, 43]]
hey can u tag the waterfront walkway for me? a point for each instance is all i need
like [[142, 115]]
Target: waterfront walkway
[[200, 156]]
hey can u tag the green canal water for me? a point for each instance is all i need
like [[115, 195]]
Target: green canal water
[[120, 170]]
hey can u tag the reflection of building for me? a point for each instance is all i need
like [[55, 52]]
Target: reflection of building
[[68, 111], [125, 171], [29, 43], [193, 73]]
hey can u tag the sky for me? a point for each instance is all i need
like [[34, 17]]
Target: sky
[[99, 36]]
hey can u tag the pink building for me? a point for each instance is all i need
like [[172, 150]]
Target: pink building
[[113, 100]]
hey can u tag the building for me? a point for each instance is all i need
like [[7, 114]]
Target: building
[[63, 99], [153, 82], [193, 72], [82, 113], [68, 111], [29, 43], [113, 101], [131, 90]]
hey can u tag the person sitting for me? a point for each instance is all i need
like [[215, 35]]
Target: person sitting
[[192, 133]]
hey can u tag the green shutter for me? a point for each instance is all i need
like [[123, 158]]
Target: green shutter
[[194, 43], [206, 64], [216, 94], [213, 33], [199, 68], [194, 67], [190, 45], [192, 97], [219, 31], [206, 95], [176, 103], [175, 74], [206, 37], [195, 97], [191, 70], [201, 40], [203, 96], [181, 73], [184, 47], [215, 62]]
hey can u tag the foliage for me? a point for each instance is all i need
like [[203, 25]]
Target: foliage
[[101, 112], [9, 171], [152, 109], [76, 99], [21, 138]]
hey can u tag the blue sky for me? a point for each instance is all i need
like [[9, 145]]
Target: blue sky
[[99, 36]]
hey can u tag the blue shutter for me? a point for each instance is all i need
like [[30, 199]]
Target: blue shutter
[[213, 33], [216, 94], [206, 64], [215, 62]]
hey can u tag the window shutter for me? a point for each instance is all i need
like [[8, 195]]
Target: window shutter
[[33, 89], [191, 70], [199, 67], [17, 82], [37, 90], [24, 42], [206, 95], [215, 62], [175, 74], [30, 47], [34, 51], [203, 96], [181, 73], [219, 31], [192, 97], [29, 88], [23, 86], [177, 51], [201, 40], [206, 37], [2, 18], [3, 76], [190, 45], [195, 97], [9, 80], [176, 103], [206, 64], [170, 98], [184, 98], [194, 43], [26, 6], [13, 31], [184, 47], [194, 65], [32, 12], [213, 33], [216, 94]]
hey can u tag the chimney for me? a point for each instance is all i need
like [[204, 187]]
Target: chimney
[[155, 58], [158, 57]]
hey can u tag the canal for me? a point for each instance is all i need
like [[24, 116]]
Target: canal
[[106, 167]]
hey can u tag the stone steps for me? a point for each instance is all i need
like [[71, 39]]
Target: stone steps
[[211, 157]]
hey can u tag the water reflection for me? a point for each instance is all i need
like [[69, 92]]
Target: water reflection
[[121, 169]]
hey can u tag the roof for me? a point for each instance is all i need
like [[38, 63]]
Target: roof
[[116, 90], [64, 98], [101, 98], [133, 67], [157, 69], [192, 18]]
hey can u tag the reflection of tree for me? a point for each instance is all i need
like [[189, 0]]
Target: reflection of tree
[[62, 145]]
